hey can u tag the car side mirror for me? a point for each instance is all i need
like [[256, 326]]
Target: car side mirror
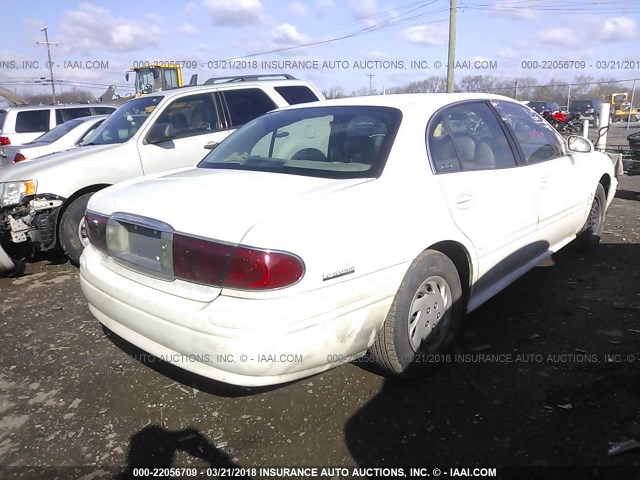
[[579, 144], [160, 132], [211, 145]]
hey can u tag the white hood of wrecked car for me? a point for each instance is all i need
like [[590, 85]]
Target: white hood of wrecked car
[[66, 172]]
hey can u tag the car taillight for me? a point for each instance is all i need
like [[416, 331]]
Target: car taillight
[[212, 263], [5, 141], [256, 269], [19, 158], [198, 260], [96, 226]]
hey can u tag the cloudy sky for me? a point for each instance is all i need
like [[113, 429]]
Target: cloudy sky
[[332, 37]]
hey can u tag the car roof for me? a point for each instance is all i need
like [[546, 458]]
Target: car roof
[[432, 101], [68, 105], [229, 86], [88, 118]]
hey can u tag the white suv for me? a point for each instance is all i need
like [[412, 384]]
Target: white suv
[[42, 201], [22, 124]]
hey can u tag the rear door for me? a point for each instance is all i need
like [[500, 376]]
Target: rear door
[[491, 197], [195, 121]]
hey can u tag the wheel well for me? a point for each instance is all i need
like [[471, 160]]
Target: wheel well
[[460, 257], [605, 181], [69, 201]]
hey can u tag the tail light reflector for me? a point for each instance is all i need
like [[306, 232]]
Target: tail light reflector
[[19, 158], [96, 226]]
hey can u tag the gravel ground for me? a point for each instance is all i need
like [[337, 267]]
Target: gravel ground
[[545, 374]]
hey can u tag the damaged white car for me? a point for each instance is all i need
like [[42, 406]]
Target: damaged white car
[[315, 234]]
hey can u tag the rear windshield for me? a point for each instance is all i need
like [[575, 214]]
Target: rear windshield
[[57, 132], [329, 142]]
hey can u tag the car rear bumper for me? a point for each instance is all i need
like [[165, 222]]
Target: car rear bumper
[[261, 349]]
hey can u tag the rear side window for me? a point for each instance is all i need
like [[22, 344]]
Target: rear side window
[[3, 114], [468, 137], [246, 104], [103, 110], [32, 121], [295, 94], [71, 113]]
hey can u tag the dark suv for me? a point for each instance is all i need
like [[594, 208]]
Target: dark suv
[[587, 109], [543, 106]]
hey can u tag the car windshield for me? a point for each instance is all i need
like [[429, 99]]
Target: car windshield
[[57, 133], [122, 124], [329, 142]]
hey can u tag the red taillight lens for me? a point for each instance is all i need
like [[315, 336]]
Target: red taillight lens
[[5, 141], [255, 269], [18, 158], [198, 260], [96, 226], [211, 263]]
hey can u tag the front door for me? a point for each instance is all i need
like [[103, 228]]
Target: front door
[[491, 197], [195, 122]]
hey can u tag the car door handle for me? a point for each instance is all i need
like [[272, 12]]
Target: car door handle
[[464, 201], [544, 182]]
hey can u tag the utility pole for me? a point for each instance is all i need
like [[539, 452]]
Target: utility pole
[[453, 11], [50, 63], [370, 75], [516, 90]]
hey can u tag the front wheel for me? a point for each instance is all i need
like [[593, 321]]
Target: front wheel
[[424, 318], [589, 238], [72, 232]]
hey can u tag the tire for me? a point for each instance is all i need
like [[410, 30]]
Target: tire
[[414, 335], [19, 267], [590, 235], [71, 224]]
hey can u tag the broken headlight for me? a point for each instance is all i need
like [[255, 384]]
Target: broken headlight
[[12, 193]]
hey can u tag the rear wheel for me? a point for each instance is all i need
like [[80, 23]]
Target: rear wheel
[[72, 232], [424, 318], [589, 238]]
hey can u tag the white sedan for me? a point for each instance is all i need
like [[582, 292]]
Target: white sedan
[[316, 234], [65, 136]]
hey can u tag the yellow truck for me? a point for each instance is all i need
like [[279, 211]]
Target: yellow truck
[[621, 108], [156, 77]]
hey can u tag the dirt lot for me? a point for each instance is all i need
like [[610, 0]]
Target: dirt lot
[[546, 374]]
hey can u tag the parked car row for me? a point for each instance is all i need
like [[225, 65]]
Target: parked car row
[[19, 125], [65, 136], [313, 234], [145, 136]]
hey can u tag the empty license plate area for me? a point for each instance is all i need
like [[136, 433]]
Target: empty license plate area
[[142, 247]]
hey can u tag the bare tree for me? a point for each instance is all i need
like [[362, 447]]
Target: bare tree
[[335, 91], [75, 95]]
